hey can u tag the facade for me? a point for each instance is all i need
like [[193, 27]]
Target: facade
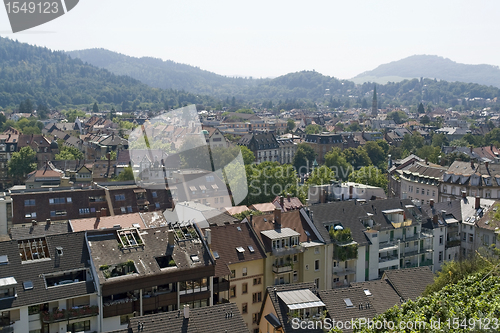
[[323, 143], [475, 179], [50, 290], [263, 145], [179, 272], [421, 182], [295, 251], [239, 265], [8, 145], [394, 169], [287, 150]]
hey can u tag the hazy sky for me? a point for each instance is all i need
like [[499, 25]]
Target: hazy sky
[[341, 38]]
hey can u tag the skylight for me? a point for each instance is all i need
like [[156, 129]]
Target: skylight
[[28, 285], [4, 260], [195, 258], [216, 254], [367, 292], [238, 228], [250, 248], [348, 302], [240, 249]]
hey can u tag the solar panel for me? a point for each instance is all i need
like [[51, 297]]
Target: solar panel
[[250, 248], [28, 285]]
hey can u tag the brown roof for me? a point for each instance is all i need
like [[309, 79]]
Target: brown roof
[[236, 209], [107, 222], [225, 240], [410, 283], [263, 207], [289, 203]]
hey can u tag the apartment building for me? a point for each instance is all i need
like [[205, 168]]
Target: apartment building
[[263, 145], [140, 272], [421, 182], [295, 250], [239, 265], [47, 284]]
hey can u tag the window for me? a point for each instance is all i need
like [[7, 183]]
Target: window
[[440, 256], [155, 195], [123, 209], [30, 215], [157, 205], [316, 265], [433, 193], [464, 238], [441, 240], [257, 281], [129, 209], [486, 240], [244, 271], [221, 199], [233, 273], [257, 297], [471, 238], [216, 200], [255, 317], [119, 197], [316, 250], [57, 201], [83, 211], [232, 291], [80, 326], [244, 308], [316, 282], [427, 192], [69, 200], [295, 276], [417, 191], [30, 202], [244, 288]]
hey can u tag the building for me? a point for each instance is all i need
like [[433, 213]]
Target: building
[[475, 179], [283, 303], [421, 182], [287, 150], [8, 145], [323, 143], [295, 251], [263, 145], [141, 272], [394, 169], [47, 285], [344, 191], [239, 266]]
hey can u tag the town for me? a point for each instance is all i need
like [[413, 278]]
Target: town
[[124, 221]]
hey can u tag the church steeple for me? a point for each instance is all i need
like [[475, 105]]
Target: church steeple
[[374, 102]]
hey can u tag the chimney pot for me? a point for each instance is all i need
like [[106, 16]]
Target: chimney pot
[[464, 194], [431, 202], [186, 311]]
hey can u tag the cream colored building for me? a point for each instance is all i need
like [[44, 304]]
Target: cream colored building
[[421, 182], [239, 261]]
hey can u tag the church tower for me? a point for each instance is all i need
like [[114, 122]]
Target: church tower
[[374, 102]]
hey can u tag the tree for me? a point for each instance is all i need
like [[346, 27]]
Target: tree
[[42, 111], [375, 152], [267, 180], [421, 108], [95, 108], [290, 124], [399, 117], [313, 129], [369, 175], [247, 154], [354, 127], [126, 174], [430, 153], [247, 111], [303, 158], [440, 140], [22, 163], [69, 153], [425, 120], [338, 164], [320, 176], [357, 157]]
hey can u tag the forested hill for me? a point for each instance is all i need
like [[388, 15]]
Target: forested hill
[[432, 66], [55, 79], [165, 74]]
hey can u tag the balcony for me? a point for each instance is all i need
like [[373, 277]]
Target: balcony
[[120, 307], [282, 268], [388, 261], [158, 300], [453, 243], [221, 286], [338, 271], [7, 329], [287, 250], [427, 262], [386, 246], [68, 314]]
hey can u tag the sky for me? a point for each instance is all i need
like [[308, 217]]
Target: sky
[[340, 38]]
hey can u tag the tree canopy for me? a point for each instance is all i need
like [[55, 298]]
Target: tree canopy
[[22, 163]]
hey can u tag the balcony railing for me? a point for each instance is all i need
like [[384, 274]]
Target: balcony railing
[[343, 271], [427, 262], [388, 245], [388, 258], [282, 268], [453, 243], [7, 329], [68, 314], [288, 250]]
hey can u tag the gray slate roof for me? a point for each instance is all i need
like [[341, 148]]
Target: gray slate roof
[[75, 256], [410, 283]]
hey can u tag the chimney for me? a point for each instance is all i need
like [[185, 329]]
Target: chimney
[[282, 202], [33, 222], [464, 194], [104, 212], [472, 163], [431, 203], [478, 202], [288, 196], [171, 238], [486, 164], [47, 221], [435, 219], [471, 149], [186, 311], [277, 218], [208, 234], [426, 161], [251, 219]]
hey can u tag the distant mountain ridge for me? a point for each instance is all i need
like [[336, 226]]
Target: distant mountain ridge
[[431, 66], [167, 74]]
